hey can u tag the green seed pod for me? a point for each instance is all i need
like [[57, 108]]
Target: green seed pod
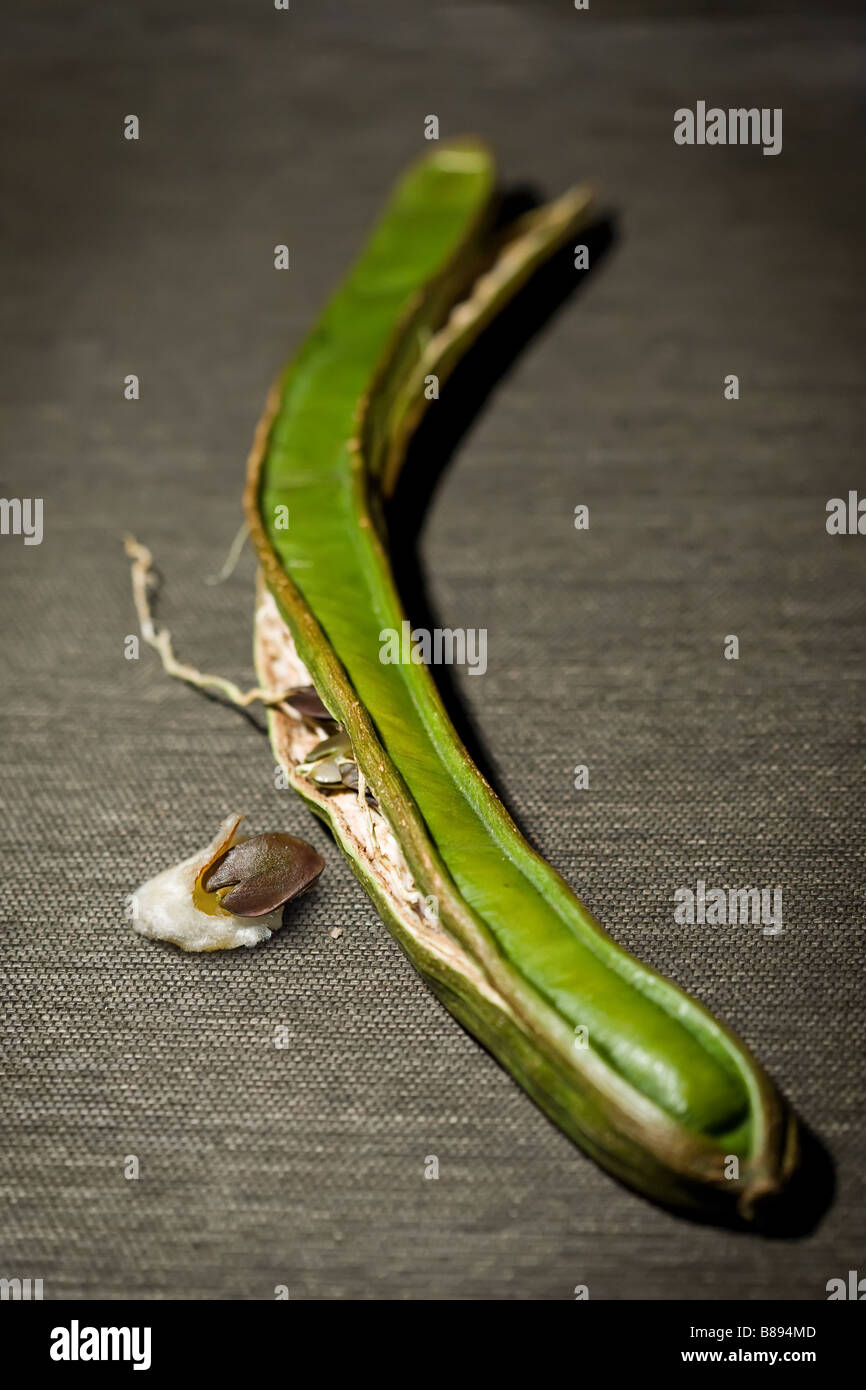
[[638, 1073]]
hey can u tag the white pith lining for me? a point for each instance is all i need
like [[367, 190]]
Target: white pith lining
[[362, 828]]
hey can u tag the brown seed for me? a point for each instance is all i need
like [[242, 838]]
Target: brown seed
[[268, 871], [350, 779], [306, 702]]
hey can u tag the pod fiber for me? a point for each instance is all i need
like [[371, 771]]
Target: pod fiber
[[638, 1073]]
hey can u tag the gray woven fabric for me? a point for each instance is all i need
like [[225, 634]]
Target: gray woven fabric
[[304, 1166]]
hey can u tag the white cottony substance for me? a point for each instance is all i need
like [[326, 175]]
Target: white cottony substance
[[171, 907]]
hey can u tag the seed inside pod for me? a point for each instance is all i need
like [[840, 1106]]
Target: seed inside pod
[[263, 873], [338, 746], [350, 779], [307, 704], [326, 774]]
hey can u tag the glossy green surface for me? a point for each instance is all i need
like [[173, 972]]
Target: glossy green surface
[[640, 1027]]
